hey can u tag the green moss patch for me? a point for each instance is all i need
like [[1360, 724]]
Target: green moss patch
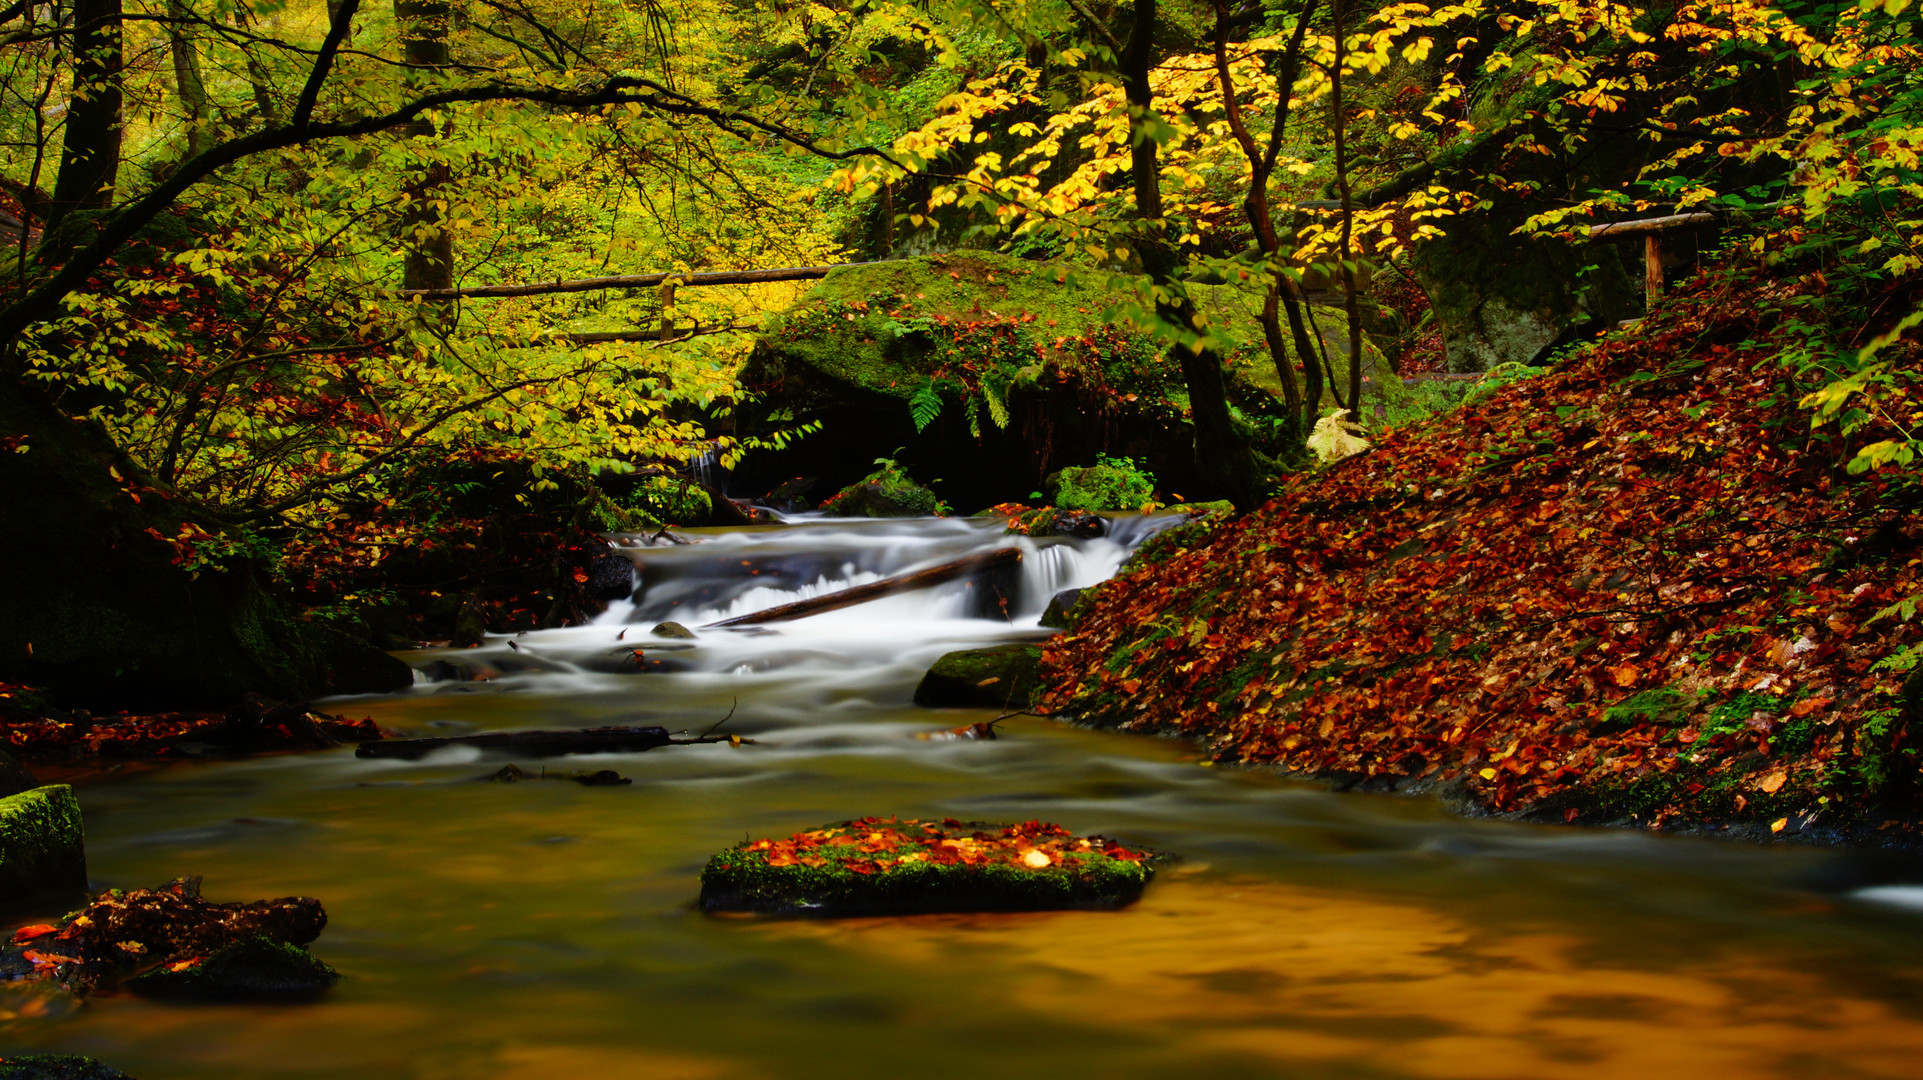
[[41, 849], [252, 968], [1110, 484], [887, 492], [1003, 675], [885, 866]]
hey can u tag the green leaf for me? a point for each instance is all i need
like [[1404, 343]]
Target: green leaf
[[925, 405]]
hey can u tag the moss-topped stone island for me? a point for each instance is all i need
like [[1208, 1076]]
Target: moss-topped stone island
[[885, 866]]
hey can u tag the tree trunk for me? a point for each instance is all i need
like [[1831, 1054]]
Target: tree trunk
[[429, 262], [1222, 456], [90, 148], [1304, 404], [1347, 256], [188, 85]]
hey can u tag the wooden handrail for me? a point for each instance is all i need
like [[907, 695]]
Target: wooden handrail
[[629, 281]]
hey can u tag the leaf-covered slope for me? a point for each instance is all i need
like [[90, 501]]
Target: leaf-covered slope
[[1628, 589]]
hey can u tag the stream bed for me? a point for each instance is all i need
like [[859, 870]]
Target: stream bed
[[546, 929]]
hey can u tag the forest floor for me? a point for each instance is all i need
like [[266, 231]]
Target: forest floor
[[1635, 590]]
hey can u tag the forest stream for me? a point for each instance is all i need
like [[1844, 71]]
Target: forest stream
[[549, 929]]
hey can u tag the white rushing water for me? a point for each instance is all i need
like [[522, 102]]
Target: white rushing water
[[854, 653]]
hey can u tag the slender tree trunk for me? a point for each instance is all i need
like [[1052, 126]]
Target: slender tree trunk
[[1221, 455], [188, 84], [90, 149], [424, 236], [256, 74], [1350, 305], [1306, 402]]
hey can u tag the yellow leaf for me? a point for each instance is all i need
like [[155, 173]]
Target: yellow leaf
[[1778, 825], [1487, 774]]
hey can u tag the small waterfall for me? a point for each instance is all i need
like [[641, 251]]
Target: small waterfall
[[735, 572], [706, 469]]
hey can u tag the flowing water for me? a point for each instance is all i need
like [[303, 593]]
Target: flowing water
[[546, 929]]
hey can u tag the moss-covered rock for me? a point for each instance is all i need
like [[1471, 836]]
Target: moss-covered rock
[[885, 493], [252, 968], [1109, 484], [875, 866], [41, 848], [1060, 612], [1500, 298], [56, 1067], [1050, 521], [986, 370], [1001, 676]]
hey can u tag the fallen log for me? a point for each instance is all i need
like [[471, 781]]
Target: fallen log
[[538, 744], [965, 566], [666, 335]]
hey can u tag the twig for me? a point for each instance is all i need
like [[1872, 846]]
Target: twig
[[723, 720]]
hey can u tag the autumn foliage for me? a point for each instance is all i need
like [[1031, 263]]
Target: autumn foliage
[[884, 865], [1639, 587], [124, 932]]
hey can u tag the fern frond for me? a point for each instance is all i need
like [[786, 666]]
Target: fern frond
[[997, 408], [925, 405]]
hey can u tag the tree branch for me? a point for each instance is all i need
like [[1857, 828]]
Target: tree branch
[[120, 226], [324, 63]]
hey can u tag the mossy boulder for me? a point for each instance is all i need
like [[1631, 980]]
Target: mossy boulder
[[41, 848], [1003, 675], [1109, 484], [56, 1067], [875, 866], [252, 969], [1050, 521], [1500, 298], [986, 370], [885, 493], [1060, 612]]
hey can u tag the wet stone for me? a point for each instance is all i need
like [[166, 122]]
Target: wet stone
[[1004, 676], [1057, 615], [611, 577], [252, 968], [671, 630]]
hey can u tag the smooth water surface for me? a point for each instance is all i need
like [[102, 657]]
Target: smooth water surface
[[544, 929]]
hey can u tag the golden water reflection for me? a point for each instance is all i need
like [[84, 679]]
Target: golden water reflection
[[1358, 985]]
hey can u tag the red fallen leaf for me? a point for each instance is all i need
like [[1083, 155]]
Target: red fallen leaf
[[38, 958], [28, 933]]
